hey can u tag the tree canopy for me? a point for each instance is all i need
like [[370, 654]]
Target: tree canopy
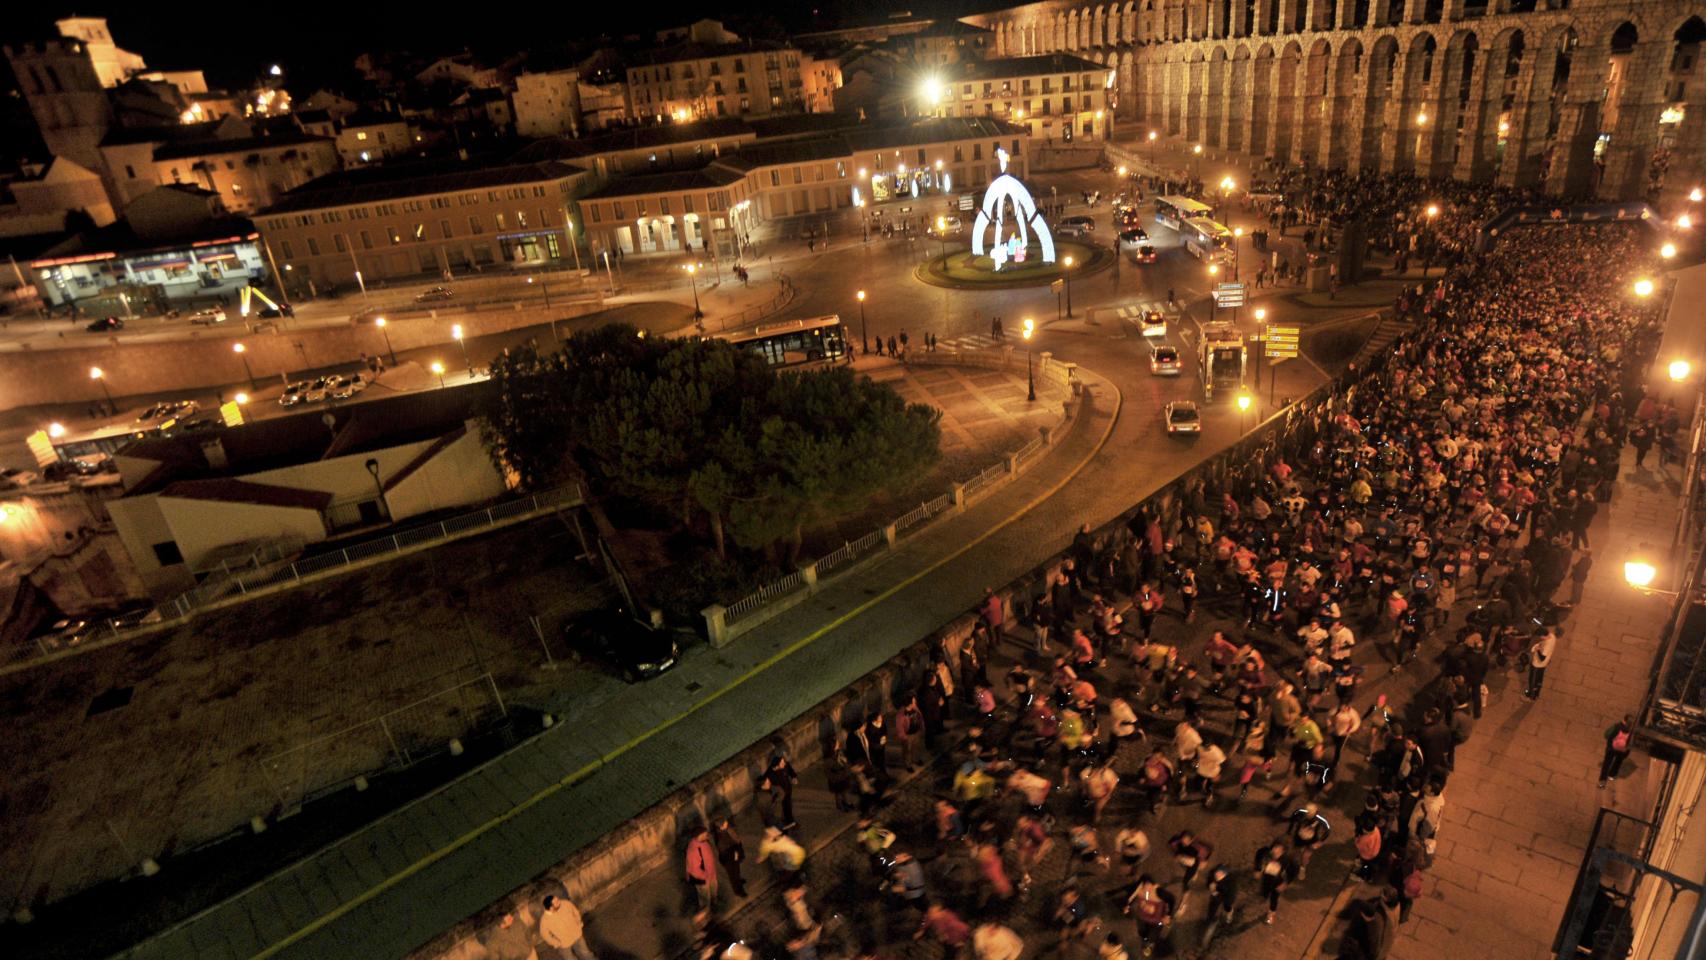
[[702, 425]]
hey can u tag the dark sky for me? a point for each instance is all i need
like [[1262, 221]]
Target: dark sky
[[316, 40]]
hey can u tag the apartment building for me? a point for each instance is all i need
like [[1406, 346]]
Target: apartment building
[[422, 219], [710, 75], [1058, 96]]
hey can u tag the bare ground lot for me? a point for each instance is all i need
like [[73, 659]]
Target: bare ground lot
[[154, 747]]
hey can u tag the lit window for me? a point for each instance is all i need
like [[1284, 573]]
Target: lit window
[[361, 135]]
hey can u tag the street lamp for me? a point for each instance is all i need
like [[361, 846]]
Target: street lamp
[[56, 430], [1029, 328], [1685, 221], [1122, 171], [864, 330], [693, 278], [380, 323], [1679, 370], [241, 397], [456, 333], [1152, 136], [942, 232], [1243, 410], [1668, 251], [1196, 162], [1643, 287], [100, 376], [438, 368], [1695, 195], [1639, 574], [1432, 213], [1262, 339], [243, 352], [1067, 273]]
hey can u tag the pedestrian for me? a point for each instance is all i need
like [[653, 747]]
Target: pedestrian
[[1540, 654], [892, 351], [731, 853], [1275, 870], [562, 927], [784, 855], [992, 941], [509, 940], [1618, 739], [702, 868], [778, 786], [1579, 576], [1151, 906], [909, 731], [945, 927]]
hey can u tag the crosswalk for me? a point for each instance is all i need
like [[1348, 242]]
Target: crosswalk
[[1135, 311], [966, 343]]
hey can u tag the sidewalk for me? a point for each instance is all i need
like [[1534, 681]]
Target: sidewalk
[[417, 871], [1521, 805]]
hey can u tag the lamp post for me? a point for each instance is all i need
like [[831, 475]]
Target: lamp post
[[1261, 338], [1196, 162], [1644, 288], [381, 324], [243, 352], [456, 332], [1029, 328], [1428, 253], [1152, 136], [864, 329], [100, 376], [1067, 273], [438, 369], [1668, 251], [379, 488], [693, 278], [1243, 413], [942, 233], [1213, 301]]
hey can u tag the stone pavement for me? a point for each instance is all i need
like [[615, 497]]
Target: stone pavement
[[411, 874], [1521, 805]]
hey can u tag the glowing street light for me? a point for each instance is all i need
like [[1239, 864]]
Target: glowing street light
[[100, 376], [456, 334], [1679, 370], [1067, 273], [1196, 162], [864, 331], [1695, 195], [693, 278], [1685, 221], [1643, 287], [1433, 210], [438, 368], [930, 91], [56, 430], [1227, 184], [1422, 119], [380, 323], [1261, 314], [1243, 402], [1668, 251], [241, 397], [243, 352], [1027, 331], [1152, 136], [1122, 171], [1639, 574]]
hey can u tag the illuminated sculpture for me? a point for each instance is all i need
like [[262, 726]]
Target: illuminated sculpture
[[1010, 248]]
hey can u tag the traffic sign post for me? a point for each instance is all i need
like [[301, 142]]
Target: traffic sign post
[[1280, 344], [1229, 294]]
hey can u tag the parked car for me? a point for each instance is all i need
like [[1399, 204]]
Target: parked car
[[167, 410], [432, 294], [343, 388], [1164, 360], [195, 425], [615, 639], [11, 479], [294, 394], [1075, 226], [282, 310], [105, 325], [66, 633], [1181, 416], [316, 391], [1154, 323], [208, 317], [88, 465]]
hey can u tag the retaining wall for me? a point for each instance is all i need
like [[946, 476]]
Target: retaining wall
[[205, 360]]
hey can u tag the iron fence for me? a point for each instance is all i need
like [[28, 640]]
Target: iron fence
[[850, 551], [774, 590]]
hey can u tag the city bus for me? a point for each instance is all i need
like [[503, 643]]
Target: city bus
[[1207, 240], [1174, 211], [791, 343]]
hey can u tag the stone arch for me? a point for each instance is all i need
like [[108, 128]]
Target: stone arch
[[1311, 110], [1288, 73], [1098, 27], [1263, 67], [1060, 31], [1086, 35], [1214, 104], [1238, 107], [1686, 142], [1343, 112], [1462, 76], [1071, 29], [1382, 74]]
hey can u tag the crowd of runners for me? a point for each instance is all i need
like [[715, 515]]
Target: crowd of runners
[[1431, 516]]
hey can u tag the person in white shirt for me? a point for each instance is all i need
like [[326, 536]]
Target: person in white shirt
[[992, 941], [561, 926], [1539, 658], [1210, 759]]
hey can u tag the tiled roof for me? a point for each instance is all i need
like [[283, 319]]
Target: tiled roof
[[211, 147], [711, 176], [634, 138], [703, 51], [1022, 67], [390, 181]]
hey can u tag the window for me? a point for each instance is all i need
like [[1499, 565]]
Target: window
[[313, 247], [1015, 150], [393, 235], [640, 209], [168, 554], [544, 217], [521, 219], [618, 211], [502, 226], [339, 242], [130, 171], [687, 204], [775, 178], [419, 232], [597, 217], [797, 177], [361, 135], [959, 153], [289, 254], [663, 206], [977, 151], [474, 225], [841, 169], [366, 240], [444, 228]]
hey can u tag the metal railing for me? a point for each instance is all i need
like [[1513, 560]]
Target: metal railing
[[774, 590], [849, 551], [753, 314], [990, 474], [923, 512]]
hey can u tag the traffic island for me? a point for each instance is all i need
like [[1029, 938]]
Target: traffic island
[[963, 270]]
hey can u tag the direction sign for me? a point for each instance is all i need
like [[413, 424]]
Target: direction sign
[[967, 202], [1280, 343], [1229, 294]]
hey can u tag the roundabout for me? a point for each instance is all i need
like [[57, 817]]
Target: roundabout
[[965, 270]]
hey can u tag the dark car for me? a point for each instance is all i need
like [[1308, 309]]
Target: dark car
[[105, 325], [614, 638]]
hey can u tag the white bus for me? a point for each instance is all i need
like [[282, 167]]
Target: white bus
[[794, 342], [1207, 240], [1174, 211]]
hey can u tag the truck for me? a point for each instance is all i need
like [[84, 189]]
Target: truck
[[1220, 358]]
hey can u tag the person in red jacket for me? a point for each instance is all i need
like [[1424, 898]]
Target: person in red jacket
[[945, 927], [702, 868]]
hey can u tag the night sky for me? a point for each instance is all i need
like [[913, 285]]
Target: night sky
[[316, 40]]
